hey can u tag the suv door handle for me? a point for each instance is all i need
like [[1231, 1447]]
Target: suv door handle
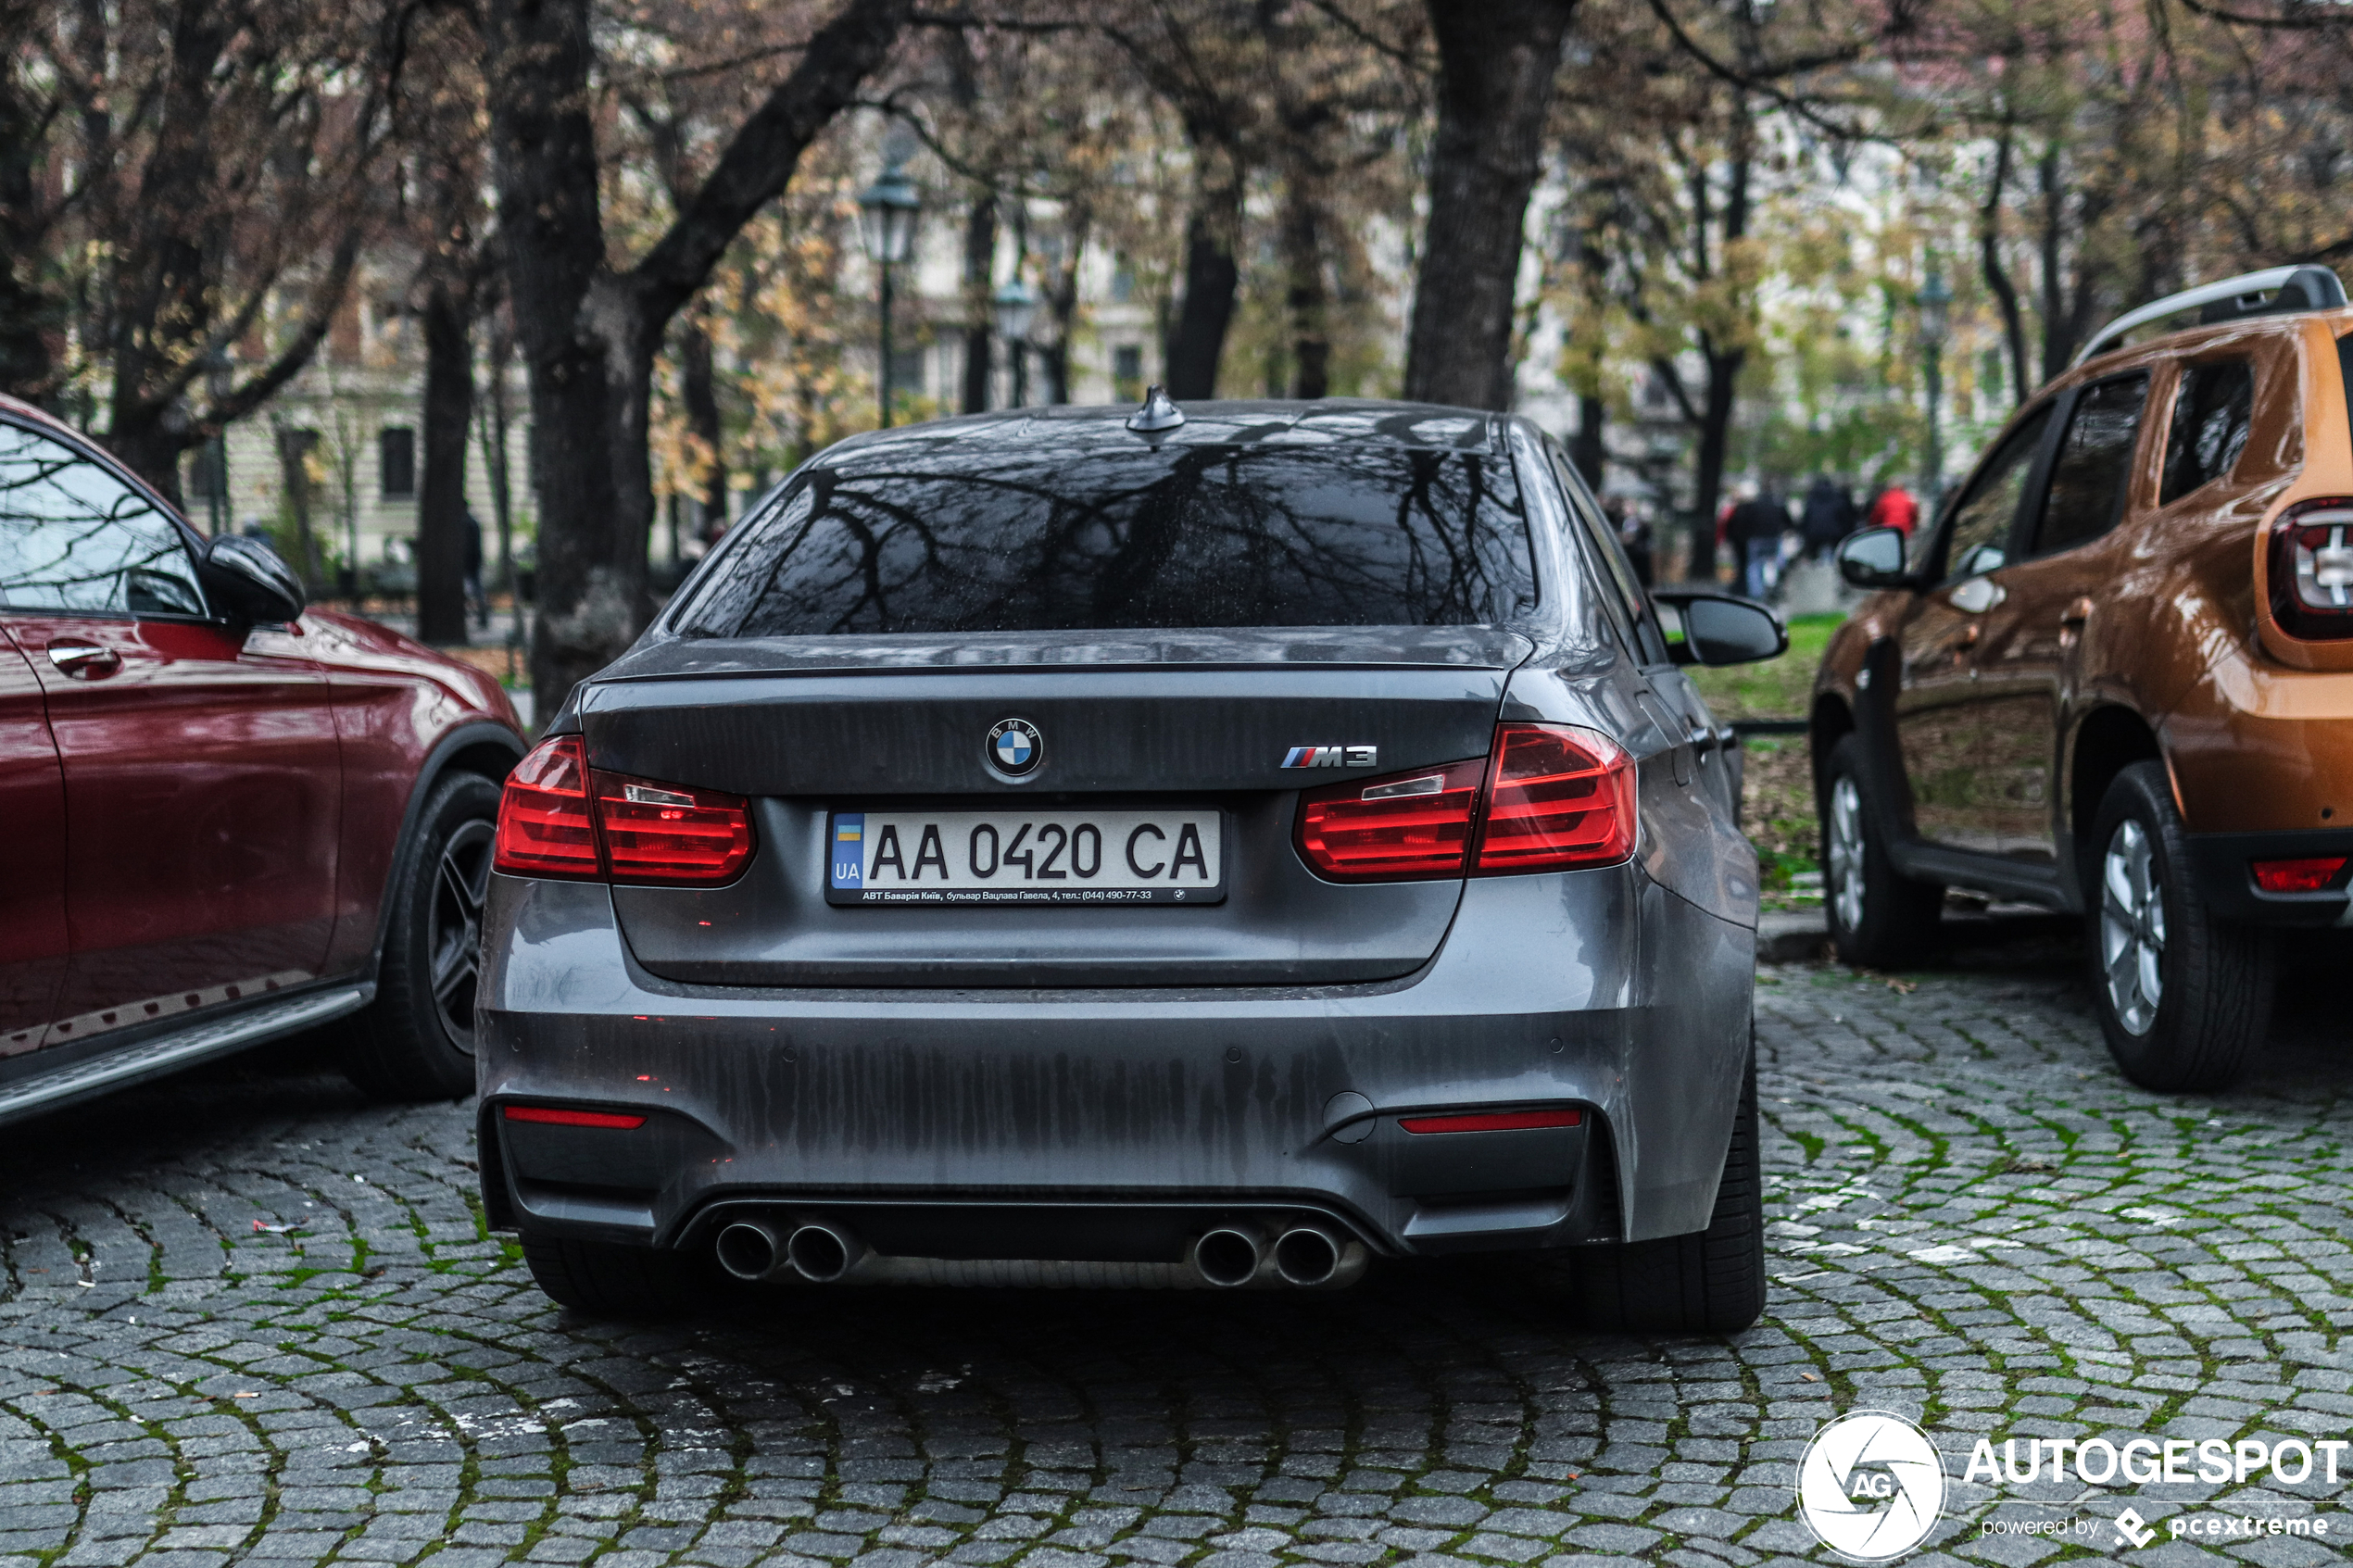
[[2077, 613], [84, 658]]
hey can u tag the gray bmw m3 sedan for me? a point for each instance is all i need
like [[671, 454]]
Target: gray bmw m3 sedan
[[1223, 847]]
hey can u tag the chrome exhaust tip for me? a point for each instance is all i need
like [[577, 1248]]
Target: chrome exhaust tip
[[820, 1254], [1306, 1257], [1227, 1257], [749, 1250]]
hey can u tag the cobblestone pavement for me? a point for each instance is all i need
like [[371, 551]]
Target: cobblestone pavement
[[246, 1317]]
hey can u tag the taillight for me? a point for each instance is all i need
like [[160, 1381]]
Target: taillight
[[2312, 570], [640, 831], [665, 833], [543, 816], [1548, 797], [2310, 874], [1405, 827], [1557, 796]]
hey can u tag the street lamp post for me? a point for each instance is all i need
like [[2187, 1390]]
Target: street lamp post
[[1935, 304], [889, 207], [1016, 306]]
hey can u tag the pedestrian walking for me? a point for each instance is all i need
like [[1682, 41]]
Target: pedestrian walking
[[1754, 529], [1896, 508], [1829, 515], [1633, 535]]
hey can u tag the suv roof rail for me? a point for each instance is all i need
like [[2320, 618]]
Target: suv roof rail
[[2271, 292]]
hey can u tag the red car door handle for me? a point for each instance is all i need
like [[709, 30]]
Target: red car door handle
[[84, 658]]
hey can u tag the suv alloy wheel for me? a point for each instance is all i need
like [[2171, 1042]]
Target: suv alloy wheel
[[2183, 997]]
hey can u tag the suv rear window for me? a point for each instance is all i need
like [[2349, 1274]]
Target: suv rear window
[[1035, 538], [2212, 408]]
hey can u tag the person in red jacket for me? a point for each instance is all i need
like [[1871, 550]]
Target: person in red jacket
[[1896, 508]]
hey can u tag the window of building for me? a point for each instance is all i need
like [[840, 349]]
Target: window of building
[[396, 462], [1123, 281], [1128, 372], [205, 479]]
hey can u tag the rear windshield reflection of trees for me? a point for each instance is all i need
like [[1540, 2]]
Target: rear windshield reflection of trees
[[1199, 536]]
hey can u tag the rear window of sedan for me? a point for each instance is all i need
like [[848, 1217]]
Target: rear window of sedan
[[1178, 536]]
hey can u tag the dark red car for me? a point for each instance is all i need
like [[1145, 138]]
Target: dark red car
[[229, 817]]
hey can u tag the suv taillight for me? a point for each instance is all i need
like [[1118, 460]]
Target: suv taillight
[[1549, 798], [640, 831], [2312, 570]]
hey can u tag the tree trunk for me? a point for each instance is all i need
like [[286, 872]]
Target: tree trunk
[[441, 491], [2059, 340], [1211, 277], [1997, 277], [295, 448], [701, 397], [1497, 61], [1715, 446], [980, 263], [494, 460], [589, 335], [1306, 300], [554, 234], [1587, 449], [1062, 302], [27, 313]]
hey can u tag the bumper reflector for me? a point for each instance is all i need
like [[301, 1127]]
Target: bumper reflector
[[1492, 1122], [2310, 874], [554, 1117]]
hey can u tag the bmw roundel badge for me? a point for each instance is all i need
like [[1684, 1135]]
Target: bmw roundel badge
[[1015, 747]]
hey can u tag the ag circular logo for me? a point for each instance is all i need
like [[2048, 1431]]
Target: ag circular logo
[[1015, 747], [1870, 1486]]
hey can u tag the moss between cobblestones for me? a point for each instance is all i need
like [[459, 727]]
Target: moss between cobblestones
[[2122, 1261]]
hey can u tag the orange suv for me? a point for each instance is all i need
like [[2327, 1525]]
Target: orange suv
[[2116, 677]]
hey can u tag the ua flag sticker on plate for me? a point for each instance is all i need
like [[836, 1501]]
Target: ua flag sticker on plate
[[848, 855]]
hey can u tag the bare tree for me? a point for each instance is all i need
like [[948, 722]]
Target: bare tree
[[589, 330]]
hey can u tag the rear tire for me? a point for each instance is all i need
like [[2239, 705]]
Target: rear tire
[[606, 1280], [2183, 997], [417, 1041], [1877, 919], [1709, 1282]]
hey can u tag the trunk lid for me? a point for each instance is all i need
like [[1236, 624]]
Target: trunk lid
[[810, 727]]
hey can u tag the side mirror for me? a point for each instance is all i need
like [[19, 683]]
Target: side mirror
[[1720, 629], [245, 578], [1874, 559]]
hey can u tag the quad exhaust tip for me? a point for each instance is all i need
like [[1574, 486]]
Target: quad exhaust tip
[[1227, 1257], [820, 1254], [1306, 1257], [750, 1249]]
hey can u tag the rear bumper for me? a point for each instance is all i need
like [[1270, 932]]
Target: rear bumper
[[1101, 1124], [2221, 863]]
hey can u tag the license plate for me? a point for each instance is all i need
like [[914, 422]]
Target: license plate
[[1171, 856]]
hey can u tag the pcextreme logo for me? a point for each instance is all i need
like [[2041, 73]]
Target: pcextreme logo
[[1870, 1486]]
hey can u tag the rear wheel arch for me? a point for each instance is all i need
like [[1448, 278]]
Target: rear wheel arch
[[1831, 722], [2107, 741]]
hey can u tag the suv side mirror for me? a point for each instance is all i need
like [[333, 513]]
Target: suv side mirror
[[1721, 629], [1874, 559], [245, 578]]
